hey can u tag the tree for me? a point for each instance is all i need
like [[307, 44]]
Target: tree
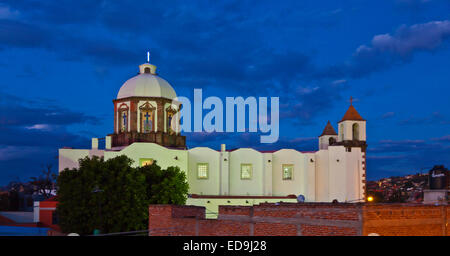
[[45, 183], [165, 186], [113, 196]]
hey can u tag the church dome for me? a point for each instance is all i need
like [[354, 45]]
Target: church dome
[[146, 84]]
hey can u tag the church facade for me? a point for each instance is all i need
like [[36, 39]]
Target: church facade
[[143, 112]]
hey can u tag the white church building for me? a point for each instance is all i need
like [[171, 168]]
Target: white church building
[[245, 176]]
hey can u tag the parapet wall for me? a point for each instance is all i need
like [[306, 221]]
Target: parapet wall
[[307, 219]]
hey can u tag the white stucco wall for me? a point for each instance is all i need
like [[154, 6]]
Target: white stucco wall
[[252, 186], [165, 157], [354, 175], [68, 157], [337, 173], [322, 174], [310, 176], [295, 186], [267, 174], [211, 185]]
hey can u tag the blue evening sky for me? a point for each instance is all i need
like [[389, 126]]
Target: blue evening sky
[[63, 62]]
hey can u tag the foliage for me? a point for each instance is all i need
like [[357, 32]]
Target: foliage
[[165, 186], [113, 196]]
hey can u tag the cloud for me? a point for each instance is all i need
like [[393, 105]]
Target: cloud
[[18, 34], [407, 40], [7, 13], [388, 115], [386, 50], [17, 112], [31, 131], [433, 118], [44, 127], [445, 138], [304, 104]]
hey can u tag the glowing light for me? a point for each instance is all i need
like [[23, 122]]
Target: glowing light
[[369, 199]]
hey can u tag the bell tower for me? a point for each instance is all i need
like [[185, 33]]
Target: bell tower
[[352, 129], [328, 137]]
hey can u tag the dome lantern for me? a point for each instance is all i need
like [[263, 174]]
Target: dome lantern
[[147, 68], [147, 84]]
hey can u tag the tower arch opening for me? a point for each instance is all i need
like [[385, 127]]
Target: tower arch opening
[[355, 131]]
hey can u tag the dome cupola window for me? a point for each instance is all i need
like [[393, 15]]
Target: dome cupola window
[[123, 118], [147, 118]]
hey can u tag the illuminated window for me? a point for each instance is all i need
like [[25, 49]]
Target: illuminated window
[[169, 122], [246, 171], [147, 116], [123, 115], [288, 169], [147, 121], [202, 170], [145, 161]]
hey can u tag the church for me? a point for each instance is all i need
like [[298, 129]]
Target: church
[[143, 111]]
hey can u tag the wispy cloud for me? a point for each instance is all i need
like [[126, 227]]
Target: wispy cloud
[[386, 50]]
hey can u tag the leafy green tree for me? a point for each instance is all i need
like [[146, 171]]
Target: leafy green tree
[[165, 186], [113, 196]]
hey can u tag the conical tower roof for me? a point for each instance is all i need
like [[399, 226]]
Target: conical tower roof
[[329, 130], [352, 114]]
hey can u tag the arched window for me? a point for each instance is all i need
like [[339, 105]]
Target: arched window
[[169, 122], [355, 129], [170, 113], [123, 118], [147, 117], [147, 71], [331, 141], [147, 121]]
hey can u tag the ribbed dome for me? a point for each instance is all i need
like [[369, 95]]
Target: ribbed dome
[[146, 84]]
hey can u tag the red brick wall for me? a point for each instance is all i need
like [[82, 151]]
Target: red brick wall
[[405, 220], [309, 219], [223, 228], [163, 223], [261, 220]]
